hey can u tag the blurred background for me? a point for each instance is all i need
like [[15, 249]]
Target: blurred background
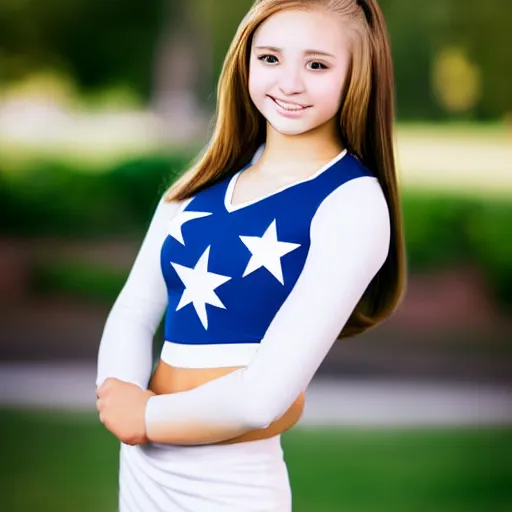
[[104, 103]]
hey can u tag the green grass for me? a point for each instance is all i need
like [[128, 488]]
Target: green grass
[[68, 462]]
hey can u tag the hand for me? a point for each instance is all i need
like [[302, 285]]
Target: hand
[[122, 408]]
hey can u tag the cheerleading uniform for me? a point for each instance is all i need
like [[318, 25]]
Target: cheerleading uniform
[[266, 284]]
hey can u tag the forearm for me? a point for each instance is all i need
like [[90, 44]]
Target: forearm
[[217, 411], [203, 434], [126, 346], [288, 420], [195, 434]]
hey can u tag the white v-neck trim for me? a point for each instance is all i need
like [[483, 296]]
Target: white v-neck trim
[[232, 183]]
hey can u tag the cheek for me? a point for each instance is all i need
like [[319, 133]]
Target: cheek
[[327, 93], [258, 86], [257, 81]]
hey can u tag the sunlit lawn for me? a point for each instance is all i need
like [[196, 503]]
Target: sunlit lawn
[[68, 462]]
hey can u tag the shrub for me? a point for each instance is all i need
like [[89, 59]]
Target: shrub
[[49, 199]]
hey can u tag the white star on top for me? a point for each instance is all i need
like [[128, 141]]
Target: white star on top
[[174, 227], [199, 286], [267, 252]]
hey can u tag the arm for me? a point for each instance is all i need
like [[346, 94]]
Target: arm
[[125, 350], [350, 236]]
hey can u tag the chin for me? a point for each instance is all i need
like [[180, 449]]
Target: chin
[[288, 131], [291, 126], [291, 130]]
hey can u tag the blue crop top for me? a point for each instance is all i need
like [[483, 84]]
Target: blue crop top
[[229, 268]]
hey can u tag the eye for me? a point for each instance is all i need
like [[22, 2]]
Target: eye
[[315, 65], [268, 59]]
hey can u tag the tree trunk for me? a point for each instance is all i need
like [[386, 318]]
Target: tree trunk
[[183, 68]]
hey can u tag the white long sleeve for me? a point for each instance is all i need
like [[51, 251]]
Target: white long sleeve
[[350, 235], [126, 345]]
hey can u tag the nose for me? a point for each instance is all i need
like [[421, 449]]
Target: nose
[[290, 81]]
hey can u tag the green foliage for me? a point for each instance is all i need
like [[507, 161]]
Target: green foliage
[[88, 281], [492, 244], [100, 44], [52, 198], [442, 230], [436, 229]]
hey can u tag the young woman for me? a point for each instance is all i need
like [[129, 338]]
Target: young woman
[[284, 236]]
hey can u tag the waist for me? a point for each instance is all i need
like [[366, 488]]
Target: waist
[[216, 355], [168, 379]]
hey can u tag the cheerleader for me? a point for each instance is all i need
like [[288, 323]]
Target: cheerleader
[[283, 237]]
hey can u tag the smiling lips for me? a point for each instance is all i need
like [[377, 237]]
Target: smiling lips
[[290, 107]]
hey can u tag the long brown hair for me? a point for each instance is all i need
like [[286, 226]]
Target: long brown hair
[[366, 130]]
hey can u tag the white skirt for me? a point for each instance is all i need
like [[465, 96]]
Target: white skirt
[[240, 477]]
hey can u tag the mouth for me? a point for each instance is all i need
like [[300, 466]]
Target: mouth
[[289, 107]]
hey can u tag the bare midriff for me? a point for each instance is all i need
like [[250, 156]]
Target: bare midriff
[[169, 379]]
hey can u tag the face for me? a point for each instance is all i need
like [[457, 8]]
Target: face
[[298, 66]]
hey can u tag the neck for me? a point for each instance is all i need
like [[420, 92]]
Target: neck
[[320, 144]]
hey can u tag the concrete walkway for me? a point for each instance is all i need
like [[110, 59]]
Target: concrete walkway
[[329, 402]]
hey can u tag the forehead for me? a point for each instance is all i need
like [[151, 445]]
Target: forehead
[[296, 29]]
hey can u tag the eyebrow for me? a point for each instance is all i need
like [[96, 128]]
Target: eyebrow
[[307, 52]]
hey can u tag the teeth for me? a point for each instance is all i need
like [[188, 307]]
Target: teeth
[[288, 106]]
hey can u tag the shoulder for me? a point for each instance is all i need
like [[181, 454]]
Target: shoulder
[[354, 215], [358, 201], [165, 210], [357, 198], [170, 207]]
